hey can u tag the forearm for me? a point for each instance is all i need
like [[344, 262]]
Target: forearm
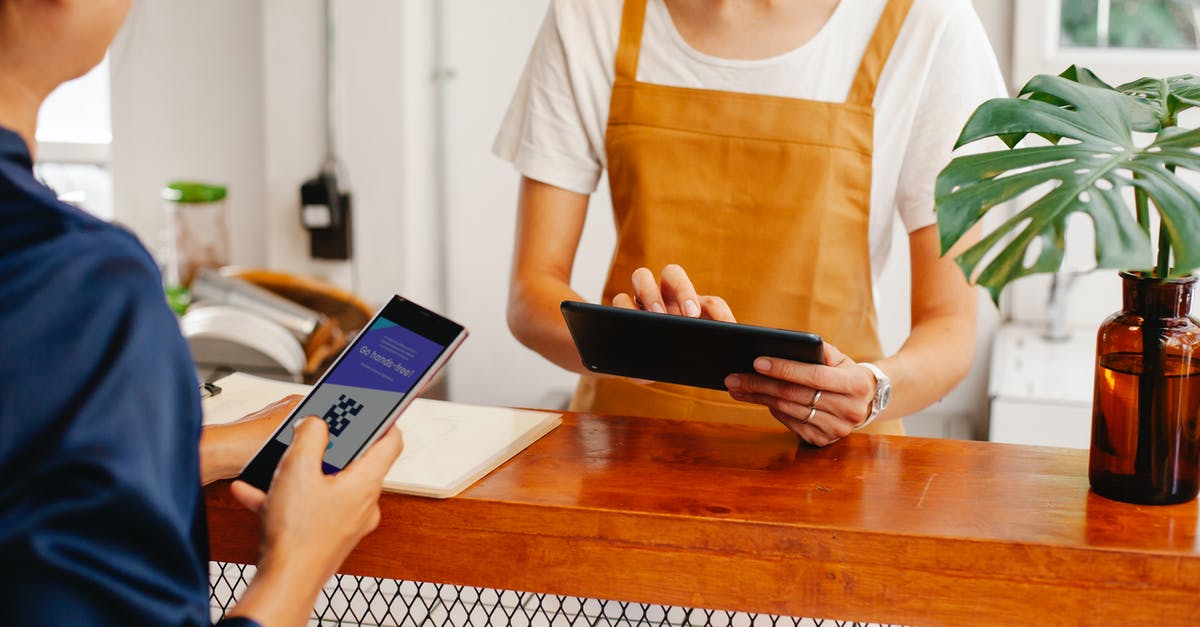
[[281, 595], [941, 346], [220, 453], [935, 358], [226, 449], [549, 225], [536, 321]]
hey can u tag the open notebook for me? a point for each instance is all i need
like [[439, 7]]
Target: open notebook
[[447, 446]]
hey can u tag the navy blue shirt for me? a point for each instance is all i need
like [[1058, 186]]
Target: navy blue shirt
[[102, 517]]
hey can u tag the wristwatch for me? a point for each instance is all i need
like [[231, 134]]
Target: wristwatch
[[883, 393]]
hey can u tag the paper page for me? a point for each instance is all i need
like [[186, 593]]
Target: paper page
[[243, 394], [447, 444]]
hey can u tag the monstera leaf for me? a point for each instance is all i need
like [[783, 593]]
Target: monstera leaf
[[1162, 98], [1092, 158]]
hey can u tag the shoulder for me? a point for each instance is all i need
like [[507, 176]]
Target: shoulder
[[87, 284], [942, 10], [946, 39], [588, 13], [38, 231], [935, 19], [80, 256], [101, 353], [587, 24]]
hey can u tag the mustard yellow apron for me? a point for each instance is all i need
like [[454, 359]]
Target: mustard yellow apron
[[763, 200]]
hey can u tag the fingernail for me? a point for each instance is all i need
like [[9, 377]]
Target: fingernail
[[762, 364], [691, 309], [733, 381], [657, 308]]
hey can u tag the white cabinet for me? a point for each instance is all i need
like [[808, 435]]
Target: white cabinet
[[1041, 390]]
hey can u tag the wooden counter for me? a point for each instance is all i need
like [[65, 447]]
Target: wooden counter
[[873, 528]]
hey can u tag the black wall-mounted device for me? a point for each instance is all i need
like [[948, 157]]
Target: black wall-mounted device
[[325, 212]]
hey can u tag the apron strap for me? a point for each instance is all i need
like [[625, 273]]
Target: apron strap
[[862, 91], [630, 44]]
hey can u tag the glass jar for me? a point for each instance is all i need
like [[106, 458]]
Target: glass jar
[[199, 231], [1146, 406]]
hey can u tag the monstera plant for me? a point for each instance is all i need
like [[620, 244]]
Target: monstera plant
[[1093, 157], [1101, 144]]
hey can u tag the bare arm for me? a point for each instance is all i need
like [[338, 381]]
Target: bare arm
[[941, 345], [549, 225]]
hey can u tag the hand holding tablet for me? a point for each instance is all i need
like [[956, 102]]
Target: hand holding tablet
[[678, 349]]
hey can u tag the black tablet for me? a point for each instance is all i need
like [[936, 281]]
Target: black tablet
[[677, 349]]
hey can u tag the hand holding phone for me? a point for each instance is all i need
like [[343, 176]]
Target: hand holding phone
[[373, 380], [311, 521]]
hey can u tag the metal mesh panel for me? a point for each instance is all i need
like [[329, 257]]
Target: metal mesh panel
[[350, 600]]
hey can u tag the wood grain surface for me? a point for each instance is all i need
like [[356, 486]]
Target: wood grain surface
[[874, 528]]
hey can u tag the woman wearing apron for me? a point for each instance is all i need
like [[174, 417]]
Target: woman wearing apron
[[751, 169]]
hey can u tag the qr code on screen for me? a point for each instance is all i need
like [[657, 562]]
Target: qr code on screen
[[338, 415]]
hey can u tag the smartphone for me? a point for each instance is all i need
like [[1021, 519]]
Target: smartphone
[[397, 353]]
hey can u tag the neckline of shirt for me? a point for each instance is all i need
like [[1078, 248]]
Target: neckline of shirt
[[659, 7]]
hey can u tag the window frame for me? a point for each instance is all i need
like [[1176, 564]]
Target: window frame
[[1036, 33], [86, 153]]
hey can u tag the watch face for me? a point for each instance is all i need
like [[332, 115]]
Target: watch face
[[883, 395]]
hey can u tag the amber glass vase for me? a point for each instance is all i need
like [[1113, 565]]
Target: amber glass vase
[[1146, 408]]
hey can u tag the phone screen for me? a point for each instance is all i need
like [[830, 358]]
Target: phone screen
[[363, 389], [380, 369]]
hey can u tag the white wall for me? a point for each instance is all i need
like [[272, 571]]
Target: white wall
[[382, 113], [253, 119], [187, 103], [481, 207], [997, 18]]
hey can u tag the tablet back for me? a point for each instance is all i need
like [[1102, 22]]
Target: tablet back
[[676, 349]]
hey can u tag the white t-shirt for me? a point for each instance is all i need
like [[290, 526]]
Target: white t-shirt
[[941, 68]]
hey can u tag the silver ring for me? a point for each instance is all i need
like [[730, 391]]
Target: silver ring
[[812, 411], [816, 397]]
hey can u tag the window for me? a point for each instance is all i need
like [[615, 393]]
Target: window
[[1120, 40], [74, 135], [1154, 24]]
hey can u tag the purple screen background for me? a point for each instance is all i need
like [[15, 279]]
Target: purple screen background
[[386, 357]]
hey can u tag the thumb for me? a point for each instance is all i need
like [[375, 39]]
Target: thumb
[[249, 496], [835, 357], [375, 462], [309, 441]]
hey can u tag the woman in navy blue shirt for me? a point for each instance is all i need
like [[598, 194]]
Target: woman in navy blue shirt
[[102, 517]]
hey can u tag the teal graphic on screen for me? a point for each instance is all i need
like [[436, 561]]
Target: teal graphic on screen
[[364, 388]]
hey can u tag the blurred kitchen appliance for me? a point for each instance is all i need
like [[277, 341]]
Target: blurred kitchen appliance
[[211, 286], [226, 338]]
